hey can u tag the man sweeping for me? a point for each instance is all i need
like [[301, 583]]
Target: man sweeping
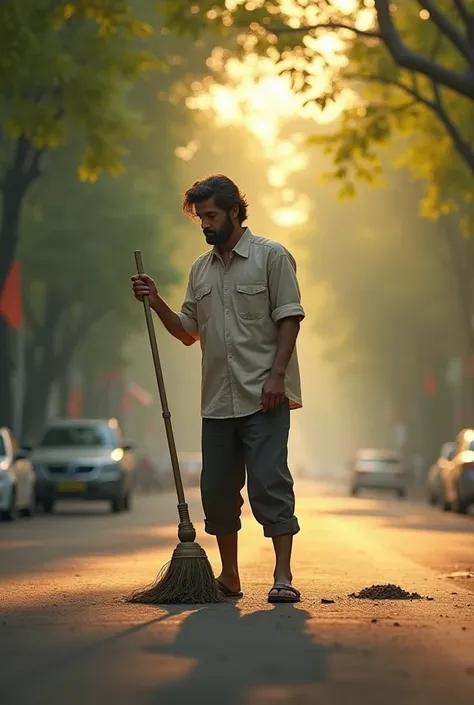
[[243, 304]]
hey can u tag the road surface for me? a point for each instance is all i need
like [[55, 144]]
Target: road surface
[[66, 636]]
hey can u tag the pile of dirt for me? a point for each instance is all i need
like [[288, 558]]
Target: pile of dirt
[[385, 592]]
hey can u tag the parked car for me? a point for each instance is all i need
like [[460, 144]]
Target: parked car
[[84, 459], [376, 469], [458, 475], [17, 479], [434, 481]]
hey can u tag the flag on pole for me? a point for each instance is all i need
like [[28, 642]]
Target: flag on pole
[[142, 396], [429, 384], [10, 298]]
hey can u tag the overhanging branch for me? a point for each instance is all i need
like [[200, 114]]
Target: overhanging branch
[[463, 12], [463, 147], [305, 29], [462, 83], [448, 28]]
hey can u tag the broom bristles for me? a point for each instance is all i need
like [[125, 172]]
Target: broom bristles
[[182, 581]]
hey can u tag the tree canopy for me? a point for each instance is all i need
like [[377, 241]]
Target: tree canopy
[[394, 69]]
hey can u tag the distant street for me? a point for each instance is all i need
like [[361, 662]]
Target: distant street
[[66, 637]]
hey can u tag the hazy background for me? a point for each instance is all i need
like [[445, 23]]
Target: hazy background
[[386, 347]]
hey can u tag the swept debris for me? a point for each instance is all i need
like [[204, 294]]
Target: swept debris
[[385, 592]]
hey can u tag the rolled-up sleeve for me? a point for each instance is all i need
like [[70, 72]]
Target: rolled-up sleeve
[[285, 296], [188, 313]]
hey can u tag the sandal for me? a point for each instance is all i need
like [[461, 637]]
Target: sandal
[[275, 594], [227, 592]]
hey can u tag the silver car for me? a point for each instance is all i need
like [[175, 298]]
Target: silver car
[[434, 482], [17, 479], [374, 469], [84, 459]]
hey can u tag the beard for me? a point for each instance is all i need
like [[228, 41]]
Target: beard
[[221, 236]]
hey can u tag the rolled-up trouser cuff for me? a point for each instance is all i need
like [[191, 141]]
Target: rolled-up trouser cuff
[[221, 530], [282, 528]]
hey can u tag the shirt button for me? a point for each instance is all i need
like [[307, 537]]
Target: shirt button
[[227, 312], [226, 288], [230, 354]]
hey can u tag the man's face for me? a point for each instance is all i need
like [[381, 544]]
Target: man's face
[[217, 224]]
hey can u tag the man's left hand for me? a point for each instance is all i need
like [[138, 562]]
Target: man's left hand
[[273, 392]]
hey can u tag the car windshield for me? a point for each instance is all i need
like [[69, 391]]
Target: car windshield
[[3, 450], [471, 445], [89, 436]]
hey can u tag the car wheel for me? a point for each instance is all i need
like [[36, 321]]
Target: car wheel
[[117, 504], [29, 511], [11, 513], [459, 506], [354, 491], [446, 505], [127, 502], [48, 506], [432, 500], [401, 494]]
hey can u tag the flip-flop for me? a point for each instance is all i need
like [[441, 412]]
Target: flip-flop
[[227, 592], [278, 597]]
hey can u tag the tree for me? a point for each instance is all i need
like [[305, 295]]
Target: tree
[[411, 64], [63, 66], [65, 69], [77, 257]]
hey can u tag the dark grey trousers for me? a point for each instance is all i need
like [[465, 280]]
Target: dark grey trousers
[[259, 444]]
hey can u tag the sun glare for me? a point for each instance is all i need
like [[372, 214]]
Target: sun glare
[[252, 93]]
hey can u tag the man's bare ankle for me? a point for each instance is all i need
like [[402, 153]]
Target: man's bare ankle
[[283, 577], [230, 578]]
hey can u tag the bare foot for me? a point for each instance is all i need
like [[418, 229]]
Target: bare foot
[[231, 582]]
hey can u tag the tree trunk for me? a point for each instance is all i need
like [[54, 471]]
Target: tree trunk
[[6, 376], [19, 175], [64, 383], [36, 403]]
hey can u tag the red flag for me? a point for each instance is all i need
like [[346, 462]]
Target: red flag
[[74, 403], [125, 403], [111, 376], [10, 298], [469, 367], [140, 394], [429, 384]]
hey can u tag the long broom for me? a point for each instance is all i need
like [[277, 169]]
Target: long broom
[[188, 578]]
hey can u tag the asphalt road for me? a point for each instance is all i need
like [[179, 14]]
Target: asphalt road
[[66, 636]]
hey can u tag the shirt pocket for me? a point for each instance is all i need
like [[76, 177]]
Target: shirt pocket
[[203, 304], [252, 301]]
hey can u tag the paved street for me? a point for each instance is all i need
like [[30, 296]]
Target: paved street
[[66, 636]]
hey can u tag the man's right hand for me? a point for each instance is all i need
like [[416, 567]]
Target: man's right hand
[[143, 285]]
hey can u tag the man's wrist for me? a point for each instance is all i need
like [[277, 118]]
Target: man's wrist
[[154, 301], [278, 371]]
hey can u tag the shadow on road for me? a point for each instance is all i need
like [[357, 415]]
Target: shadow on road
[[236, 652]]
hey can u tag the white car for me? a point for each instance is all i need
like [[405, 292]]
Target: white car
[[374, 469], [17, 479]]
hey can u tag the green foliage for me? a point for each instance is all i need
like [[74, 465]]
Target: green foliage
[[65, 66], [432, 119], [77, 258]]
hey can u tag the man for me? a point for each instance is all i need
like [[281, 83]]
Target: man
[[243, 304]]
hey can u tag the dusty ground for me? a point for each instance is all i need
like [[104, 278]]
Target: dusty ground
[[66, 636]]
